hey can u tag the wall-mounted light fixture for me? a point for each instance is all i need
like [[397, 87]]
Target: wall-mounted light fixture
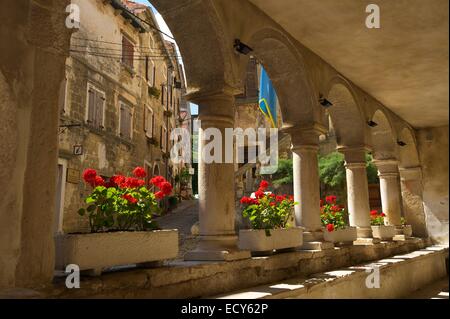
[[324, 102], [241, 47], [372, 123], [401, 143]]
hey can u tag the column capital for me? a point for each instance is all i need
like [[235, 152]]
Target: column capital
[[410, 173], [305, 136], [354, 154], [224, 92], [387, 168]]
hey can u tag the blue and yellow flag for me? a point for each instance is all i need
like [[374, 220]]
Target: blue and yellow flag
[[267, 98]]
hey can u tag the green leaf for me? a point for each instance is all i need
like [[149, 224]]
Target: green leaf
[[81, 211]]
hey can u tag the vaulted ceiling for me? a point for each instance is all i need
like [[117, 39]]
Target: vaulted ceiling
[[403, 64]]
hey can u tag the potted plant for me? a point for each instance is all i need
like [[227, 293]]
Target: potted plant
[[120, 215], [407, 229], [379, 229], [333, 217], [269, 215]]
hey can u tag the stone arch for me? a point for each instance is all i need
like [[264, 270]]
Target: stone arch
[[206, 54], [287, 70], [383, 137], [408, 155], [347, 117]]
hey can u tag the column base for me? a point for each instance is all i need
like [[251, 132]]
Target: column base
[[217, 248], [366, 241], [364, 232], [313, 240]]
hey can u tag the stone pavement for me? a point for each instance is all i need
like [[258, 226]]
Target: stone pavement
[[182, 218], [436, 290]]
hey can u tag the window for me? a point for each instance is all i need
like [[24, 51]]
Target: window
[[125, 121], [127, 52], [96, 107], [150, 72], [148, 121]]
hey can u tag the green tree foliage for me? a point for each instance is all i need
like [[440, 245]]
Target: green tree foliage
[[284, 174], [331, 171]]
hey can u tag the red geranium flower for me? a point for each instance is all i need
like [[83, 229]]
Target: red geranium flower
[[321, 202], [166, 188], [159, 195], [335, 208], [373, 212], [157, 181], [89, 175], [291, 198], [99, 181], [382, 214], [139, 172], [130, 198], [331, 199], [280, 198], [263, 185], [330, 227], [259, 194]]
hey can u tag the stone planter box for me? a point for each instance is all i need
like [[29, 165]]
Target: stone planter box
[[256, 240], [97, 251], [383, 232], [407, 230], [346, 235]]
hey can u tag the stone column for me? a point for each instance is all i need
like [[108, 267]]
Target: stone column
[[305, 147], [411, 187], [357, 190], [390, 190], [218, 240]]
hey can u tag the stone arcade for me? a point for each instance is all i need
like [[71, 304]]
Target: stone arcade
[[400, 84]]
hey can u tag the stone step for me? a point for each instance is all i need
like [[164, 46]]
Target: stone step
[[399, 276]]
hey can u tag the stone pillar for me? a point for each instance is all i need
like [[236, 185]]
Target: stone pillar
[[31, 70], [390, 190], [357, 190], [218, 240], [305, 147], [411, 187]]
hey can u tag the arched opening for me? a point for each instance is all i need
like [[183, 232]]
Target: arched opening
[[346, 117], [408, 155], [286, 69], [383, 138]]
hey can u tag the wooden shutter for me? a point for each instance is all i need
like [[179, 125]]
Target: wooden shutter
[[91, 106], [146, 119], [129, 123], [99, 105], [162, 94], [154, 75]]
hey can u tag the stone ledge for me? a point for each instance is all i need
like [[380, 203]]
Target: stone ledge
[[180, 279], [400, 275]]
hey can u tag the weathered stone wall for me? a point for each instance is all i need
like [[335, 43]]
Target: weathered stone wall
[[103, 149], [433, 151]]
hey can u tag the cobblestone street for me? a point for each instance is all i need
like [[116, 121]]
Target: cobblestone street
[[182, 218]]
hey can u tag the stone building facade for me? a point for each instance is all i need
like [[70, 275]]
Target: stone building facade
[[119, 102]]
